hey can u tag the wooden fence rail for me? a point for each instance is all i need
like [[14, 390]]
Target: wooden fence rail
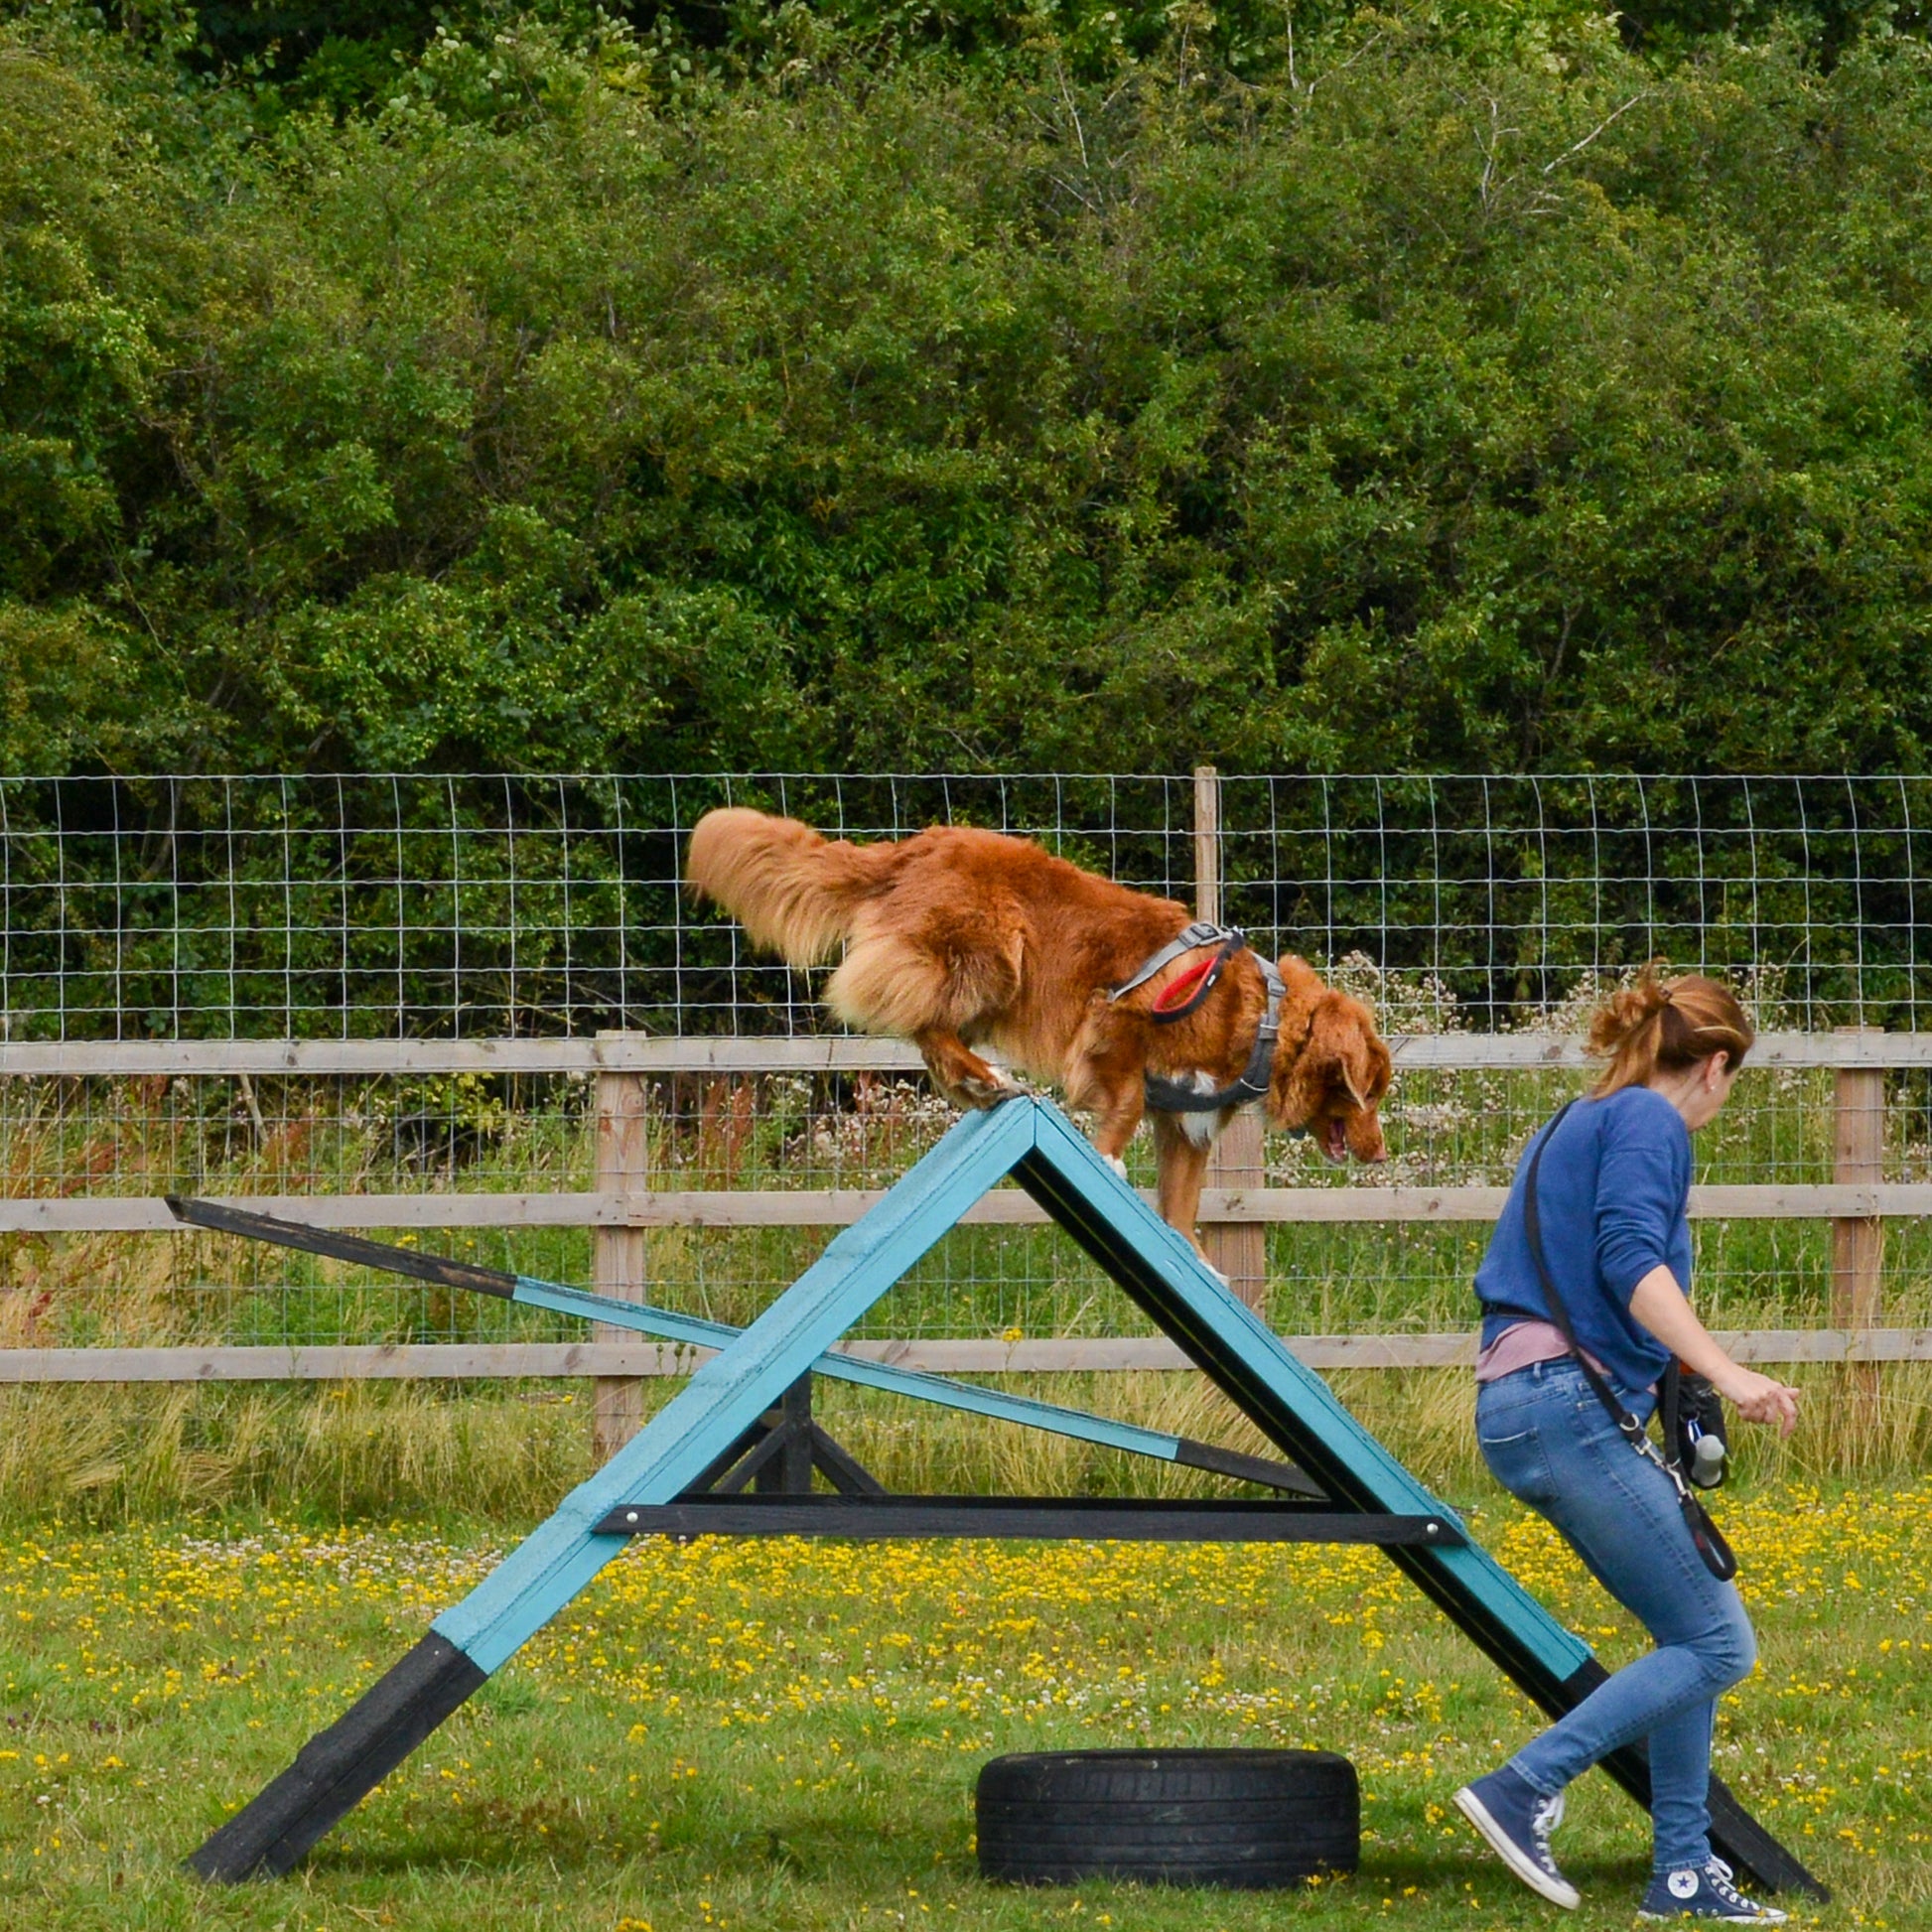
[[645, 1053], [809, 1208], [465, 1361], [1857, 1203]]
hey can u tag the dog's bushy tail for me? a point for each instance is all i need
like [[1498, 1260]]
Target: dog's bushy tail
[[792, 889]]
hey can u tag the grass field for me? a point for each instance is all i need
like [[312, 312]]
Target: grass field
[[777, 1735]]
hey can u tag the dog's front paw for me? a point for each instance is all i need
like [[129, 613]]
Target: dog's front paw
[[1117, 1164]]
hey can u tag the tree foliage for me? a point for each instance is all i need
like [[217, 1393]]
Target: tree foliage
[[1468, 391]]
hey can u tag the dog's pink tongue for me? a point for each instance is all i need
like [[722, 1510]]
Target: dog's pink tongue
[[1336, 1141]]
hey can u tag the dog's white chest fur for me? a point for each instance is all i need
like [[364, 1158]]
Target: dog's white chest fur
[[1202, 1129]]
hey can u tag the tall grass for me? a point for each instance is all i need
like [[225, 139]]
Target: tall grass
[[509, 1451]]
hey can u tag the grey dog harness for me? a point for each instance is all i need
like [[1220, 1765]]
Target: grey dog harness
[[1165, 1096]]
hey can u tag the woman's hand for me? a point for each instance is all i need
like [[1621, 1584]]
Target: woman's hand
[[1659, 1304], [1758, 1398]]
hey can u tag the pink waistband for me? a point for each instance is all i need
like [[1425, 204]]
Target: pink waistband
[[1525, 1342]]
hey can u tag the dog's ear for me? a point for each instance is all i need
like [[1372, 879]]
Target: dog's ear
[[1367, 1071], [1294, 1091], [1346, 1051], [1366, 1066], [1304, 1069]]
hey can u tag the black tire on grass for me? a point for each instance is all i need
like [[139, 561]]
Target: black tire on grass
[[1236, 1818]]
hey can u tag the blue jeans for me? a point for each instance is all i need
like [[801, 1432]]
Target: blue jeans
[[1550, 1443]]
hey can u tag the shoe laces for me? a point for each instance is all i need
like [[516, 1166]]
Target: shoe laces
[[1717, 1875], [1545, 1817]]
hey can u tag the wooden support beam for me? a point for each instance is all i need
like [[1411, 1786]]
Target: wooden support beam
[[621, 1261], [1237, 1247], [789, 1472], [1859, 1243], [1133, 1519]]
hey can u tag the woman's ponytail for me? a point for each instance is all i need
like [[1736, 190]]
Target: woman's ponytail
[[1655, 1023]]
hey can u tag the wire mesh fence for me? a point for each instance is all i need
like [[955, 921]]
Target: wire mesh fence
[[462, 908], [424, 1138], [414, 907]]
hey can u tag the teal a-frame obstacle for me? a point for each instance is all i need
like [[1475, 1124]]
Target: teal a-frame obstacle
[[1369, 1495]]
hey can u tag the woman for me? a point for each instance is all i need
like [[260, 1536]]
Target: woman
[[1611, 1190]]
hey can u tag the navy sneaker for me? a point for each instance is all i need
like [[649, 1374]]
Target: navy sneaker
[[1705, 1894], [1517, 1820]]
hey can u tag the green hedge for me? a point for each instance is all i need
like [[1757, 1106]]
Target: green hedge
[[1473, 400]]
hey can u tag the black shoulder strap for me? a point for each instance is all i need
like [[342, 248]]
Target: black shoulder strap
[[1632, 1429]]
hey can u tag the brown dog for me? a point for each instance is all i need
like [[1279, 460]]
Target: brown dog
[[957, 938]]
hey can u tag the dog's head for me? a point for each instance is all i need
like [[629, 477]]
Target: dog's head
[[1330, 1079]]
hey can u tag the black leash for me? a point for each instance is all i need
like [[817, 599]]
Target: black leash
[[1716, 1553]]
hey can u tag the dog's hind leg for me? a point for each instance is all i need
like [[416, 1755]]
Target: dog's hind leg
[[959, 1073], [894, 984]]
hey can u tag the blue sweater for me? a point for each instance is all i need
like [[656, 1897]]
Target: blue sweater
[[1611, 1195]]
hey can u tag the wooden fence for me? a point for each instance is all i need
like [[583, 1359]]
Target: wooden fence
[[1857, 1202]]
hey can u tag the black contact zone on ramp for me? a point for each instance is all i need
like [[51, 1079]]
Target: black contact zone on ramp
[[342, 1247], [337, 1767]]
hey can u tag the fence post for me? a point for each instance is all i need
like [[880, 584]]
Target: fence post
[[619, 1254], [1239, 1249], [1857, 1160]]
